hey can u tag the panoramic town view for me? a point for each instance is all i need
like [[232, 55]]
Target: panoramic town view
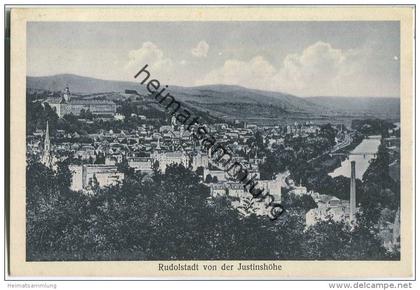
[[308, 169]]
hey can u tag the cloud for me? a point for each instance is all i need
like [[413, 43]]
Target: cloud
[[200, 50], [320, 69], [150, 54], [252, 73], [315, 71]]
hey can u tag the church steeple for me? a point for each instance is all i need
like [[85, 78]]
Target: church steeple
[[46, 157]]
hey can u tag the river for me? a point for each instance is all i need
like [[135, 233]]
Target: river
[[371, 145]]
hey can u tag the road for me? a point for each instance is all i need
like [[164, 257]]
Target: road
[[346, 142], [348, 139]]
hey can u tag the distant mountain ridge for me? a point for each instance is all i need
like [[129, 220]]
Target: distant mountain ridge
[[227, 101], [78, 84], [374, 106]]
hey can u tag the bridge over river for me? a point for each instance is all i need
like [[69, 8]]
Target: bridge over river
[[362, 154]]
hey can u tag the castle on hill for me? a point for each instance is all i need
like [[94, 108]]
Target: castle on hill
[[66, 104]]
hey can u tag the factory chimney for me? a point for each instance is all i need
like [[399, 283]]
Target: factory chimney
[[353, 192]]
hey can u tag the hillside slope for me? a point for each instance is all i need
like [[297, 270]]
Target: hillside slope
[[233, 102], [221, 100]]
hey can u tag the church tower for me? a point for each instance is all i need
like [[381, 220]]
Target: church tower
[[46, 156]]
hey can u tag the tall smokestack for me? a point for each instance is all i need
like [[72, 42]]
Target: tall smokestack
[[353, 192]]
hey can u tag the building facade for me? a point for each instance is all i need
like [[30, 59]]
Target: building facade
[[68, 105], [85, 176]]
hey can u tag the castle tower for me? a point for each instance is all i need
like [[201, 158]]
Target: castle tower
[[353, 192], [46, 156], [67, 94]]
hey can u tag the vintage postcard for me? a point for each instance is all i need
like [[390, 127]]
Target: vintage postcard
[[212, 142]]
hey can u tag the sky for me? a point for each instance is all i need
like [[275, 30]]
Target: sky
[[351, 58]]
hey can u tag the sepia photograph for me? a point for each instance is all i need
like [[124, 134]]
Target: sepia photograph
[[181, 141]]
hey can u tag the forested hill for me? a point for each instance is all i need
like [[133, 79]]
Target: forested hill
[[231, 102]]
